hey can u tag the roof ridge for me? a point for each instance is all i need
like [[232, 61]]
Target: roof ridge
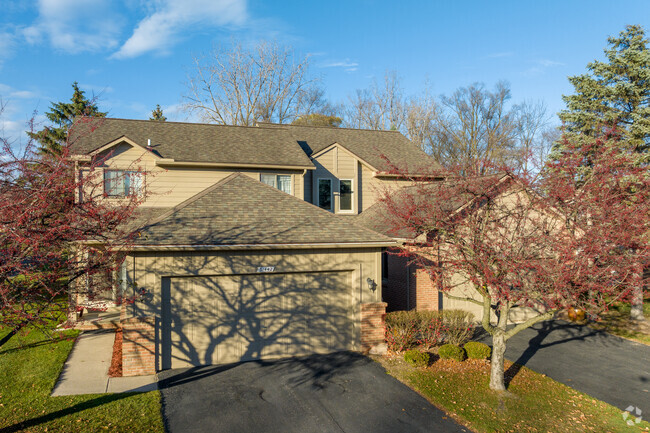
[[333, 128], [191, 123]]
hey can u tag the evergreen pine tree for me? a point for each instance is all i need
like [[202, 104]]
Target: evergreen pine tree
[[615, 93], [62, 115], [157, 114]]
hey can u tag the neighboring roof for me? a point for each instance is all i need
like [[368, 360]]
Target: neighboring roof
[[446, 196], [239, 210], [369, 145], [194, 142]]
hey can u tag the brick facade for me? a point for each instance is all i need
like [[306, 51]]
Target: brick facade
[[372, 325], [408, 286], [138, 346], [426, 291]]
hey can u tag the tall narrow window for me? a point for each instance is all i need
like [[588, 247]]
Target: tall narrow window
[[279, 181], [325, 193], [345, 191]]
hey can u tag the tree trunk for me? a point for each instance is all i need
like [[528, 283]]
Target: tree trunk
[[10, 334], [497, 382], [636, 312]]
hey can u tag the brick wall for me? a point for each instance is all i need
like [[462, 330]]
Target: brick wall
[[138, 346], [372, 324], [426, 291]]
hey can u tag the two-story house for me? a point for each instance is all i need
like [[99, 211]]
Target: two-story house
[[248, 246]]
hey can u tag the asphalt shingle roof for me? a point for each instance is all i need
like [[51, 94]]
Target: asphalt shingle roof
[[194, 142], [240, 210], [371, 146], [268, 144]]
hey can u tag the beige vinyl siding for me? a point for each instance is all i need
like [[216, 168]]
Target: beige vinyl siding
[[307, 179], [336, 164], [148, 270], [167, 187], [372, 187]]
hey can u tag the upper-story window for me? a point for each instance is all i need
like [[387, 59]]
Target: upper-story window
[[279, 181], [121, 183], [325, 193], [345, 195]]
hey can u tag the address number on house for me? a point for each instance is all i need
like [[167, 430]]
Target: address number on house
[[266, 268]]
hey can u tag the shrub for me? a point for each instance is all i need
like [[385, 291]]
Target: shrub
[[458, 326], [430, 329], [416, 358], [450, 351], [401, 330], [476, 350]]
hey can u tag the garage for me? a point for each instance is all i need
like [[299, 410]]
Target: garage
[[233, 318]]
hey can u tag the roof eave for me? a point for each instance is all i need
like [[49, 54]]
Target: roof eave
[[281, 246], [168, 162]]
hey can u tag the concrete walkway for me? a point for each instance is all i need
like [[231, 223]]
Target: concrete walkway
[[86, 369]]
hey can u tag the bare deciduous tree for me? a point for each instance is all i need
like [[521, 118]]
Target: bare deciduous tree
[[475, 129], [380, 107], [241, 86]]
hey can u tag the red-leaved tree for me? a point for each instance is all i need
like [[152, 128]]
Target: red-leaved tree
[[60, 238], [510, 244]]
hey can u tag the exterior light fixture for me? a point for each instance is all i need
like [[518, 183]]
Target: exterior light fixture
[[371, 284]]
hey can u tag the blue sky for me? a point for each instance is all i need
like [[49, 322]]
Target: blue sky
[[135, 54]]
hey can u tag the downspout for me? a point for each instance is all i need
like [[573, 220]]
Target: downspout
[[408, 286]]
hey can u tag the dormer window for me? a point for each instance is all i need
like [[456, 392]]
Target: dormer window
[[279, 181], [121, 183]]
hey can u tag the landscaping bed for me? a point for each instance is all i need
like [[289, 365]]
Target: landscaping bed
[[31, 363]]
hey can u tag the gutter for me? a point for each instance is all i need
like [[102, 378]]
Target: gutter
[[377, 244], [172, 163]]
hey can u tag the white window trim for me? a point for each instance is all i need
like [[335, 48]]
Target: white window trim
[[351, 199], [291, 188], [124, 171], [331, 208]]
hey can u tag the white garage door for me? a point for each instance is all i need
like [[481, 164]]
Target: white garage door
[[224, 319]]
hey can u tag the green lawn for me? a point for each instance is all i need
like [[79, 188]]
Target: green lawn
[[617, 321], [534, 403], [30, 364]]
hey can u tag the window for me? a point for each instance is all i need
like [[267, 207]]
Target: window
[[118, 183], [325, 193], [279, 181], [345, 192]]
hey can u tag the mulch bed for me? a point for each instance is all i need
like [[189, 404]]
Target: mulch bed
[[115, 369]]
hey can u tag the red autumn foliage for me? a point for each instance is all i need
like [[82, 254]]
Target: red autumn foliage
[[575, 236], [59, 235]]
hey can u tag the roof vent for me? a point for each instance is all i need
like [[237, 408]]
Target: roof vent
[[148, 142]]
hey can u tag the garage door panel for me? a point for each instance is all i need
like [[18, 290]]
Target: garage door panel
[[217, 320]]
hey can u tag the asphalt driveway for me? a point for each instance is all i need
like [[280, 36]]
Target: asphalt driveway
[[609, 368], [342, 392]]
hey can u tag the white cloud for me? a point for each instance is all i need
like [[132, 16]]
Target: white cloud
[[541, 66], [346, 64], [9, 93], [549, 63], [7, 42], [160, 30], [76, 25]]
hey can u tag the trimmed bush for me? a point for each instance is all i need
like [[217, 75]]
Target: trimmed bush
[[476, 350], [430, 329], [416, 358], [458, 326], [401, 330], [450, 351]]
